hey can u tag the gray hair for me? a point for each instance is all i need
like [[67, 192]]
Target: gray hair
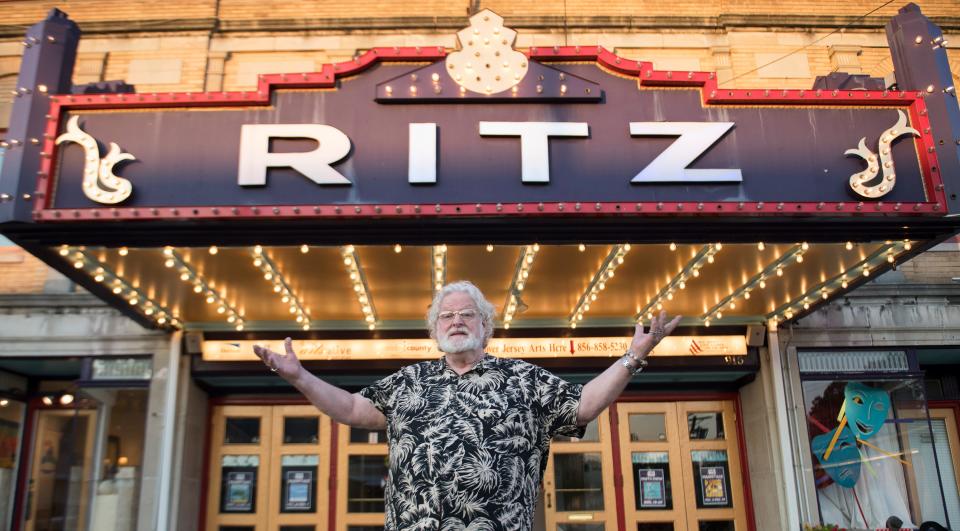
[[486, 309]]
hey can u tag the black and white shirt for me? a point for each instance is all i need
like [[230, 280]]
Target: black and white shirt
[[469, 451]]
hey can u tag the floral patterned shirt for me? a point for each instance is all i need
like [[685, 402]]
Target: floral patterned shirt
[[469, 451]]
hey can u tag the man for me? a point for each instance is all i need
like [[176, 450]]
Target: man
[[469, 434]]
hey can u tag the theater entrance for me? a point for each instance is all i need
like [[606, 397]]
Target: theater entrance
[[658, 466]]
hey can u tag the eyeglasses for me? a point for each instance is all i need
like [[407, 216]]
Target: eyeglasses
[[466, 315]]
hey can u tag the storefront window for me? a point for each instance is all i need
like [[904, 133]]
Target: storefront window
[[871, 464], [87, 459], [11, 426]]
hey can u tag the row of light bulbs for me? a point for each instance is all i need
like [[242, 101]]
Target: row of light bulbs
[[438, 271], [84, 260], [519, 281], [886, 254], [679, 281], [351, 260], [794, 255], [599, 281], [271, 273], [173, 260]]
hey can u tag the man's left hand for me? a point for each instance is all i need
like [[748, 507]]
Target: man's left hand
[[660, 328]]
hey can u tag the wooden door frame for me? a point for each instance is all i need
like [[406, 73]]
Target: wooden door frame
[[604, 447], [626, 397], [641, 396]]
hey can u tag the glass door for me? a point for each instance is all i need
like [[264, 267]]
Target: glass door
[[579, 493], [61, 468], [269, 469], [362, 460], [11, 430], [681, 466]]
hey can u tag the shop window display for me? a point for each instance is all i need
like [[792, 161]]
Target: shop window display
[[867, 471]]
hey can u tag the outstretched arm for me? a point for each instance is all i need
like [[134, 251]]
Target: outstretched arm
[[341, 406], [601, 391]]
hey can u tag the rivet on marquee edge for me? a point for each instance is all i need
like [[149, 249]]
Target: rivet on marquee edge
[[377, 209], [255, 210], [740, 205], [840, 206], [679, 206], [597, 207], [416, 209], [560, 207], [760, 205], [316, 209], [897, 206], [540, 207], [336, 210], [296, 210], [699, 206], [779, 206], [436, 208], [499, 207], [519, 207], [357, 209], [659, 206]]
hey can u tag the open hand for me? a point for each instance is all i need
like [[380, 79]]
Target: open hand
[[287, 366], [643, 343]]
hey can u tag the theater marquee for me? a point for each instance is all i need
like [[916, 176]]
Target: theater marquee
[[487, 130]]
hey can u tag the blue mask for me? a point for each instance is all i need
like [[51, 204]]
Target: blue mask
[[843, 466], [867, 408]]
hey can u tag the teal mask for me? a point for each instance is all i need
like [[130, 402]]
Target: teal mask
[[843, 466], [867, 408]]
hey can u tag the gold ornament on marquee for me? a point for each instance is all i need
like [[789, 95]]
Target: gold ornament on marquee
[[858, 180], [99, 182], [486, 62]]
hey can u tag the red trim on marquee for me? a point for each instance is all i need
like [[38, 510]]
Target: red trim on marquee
[[646, 77]]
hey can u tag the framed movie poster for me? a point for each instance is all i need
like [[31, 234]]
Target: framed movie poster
[[653, 488], [714, 489], [239, 490], [298, 490]]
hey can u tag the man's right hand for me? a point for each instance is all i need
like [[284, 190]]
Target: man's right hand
[[287, 366]]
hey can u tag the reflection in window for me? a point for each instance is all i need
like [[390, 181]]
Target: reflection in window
[[927, 446], [360, 435], [579, 481], [580, 527], [661, 526], [705, 425], [242, 430], [726, 525], [592, 434], [300, 430], [651, 481], [647, 427], [365, 483], [866, 438]]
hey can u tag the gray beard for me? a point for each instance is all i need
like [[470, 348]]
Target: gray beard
[[458, 345]]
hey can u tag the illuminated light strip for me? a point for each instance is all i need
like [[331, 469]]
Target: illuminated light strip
[[173, 259], [351, 260], [272, 274], [102, 274], [822, 290], [438, 267], [518, 282], [679, 282], [603, 275], [774, 269]]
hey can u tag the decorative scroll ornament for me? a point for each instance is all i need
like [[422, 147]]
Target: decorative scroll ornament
[[858, 180], [99, 182], [486, 62]]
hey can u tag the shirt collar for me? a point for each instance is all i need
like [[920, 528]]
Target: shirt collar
[[485, 363]]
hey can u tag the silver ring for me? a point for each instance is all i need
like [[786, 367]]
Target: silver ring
[[274, 369]]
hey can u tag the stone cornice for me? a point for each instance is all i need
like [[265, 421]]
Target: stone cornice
[[451, 24]]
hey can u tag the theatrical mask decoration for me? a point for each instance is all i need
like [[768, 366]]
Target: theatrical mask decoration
[[843, 464], [866, 409], [858, 181], [486, 62], [861, 416], [99, 182]]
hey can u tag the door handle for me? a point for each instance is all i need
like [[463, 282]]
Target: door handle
[[549, 504]]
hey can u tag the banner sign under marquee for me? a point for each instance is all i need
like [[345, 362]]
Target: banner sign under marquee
[[370, 349], [564, 131]]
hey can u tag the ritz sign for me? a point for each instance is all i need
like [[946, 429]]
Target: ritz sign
[[450, 131], [333, 146]]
